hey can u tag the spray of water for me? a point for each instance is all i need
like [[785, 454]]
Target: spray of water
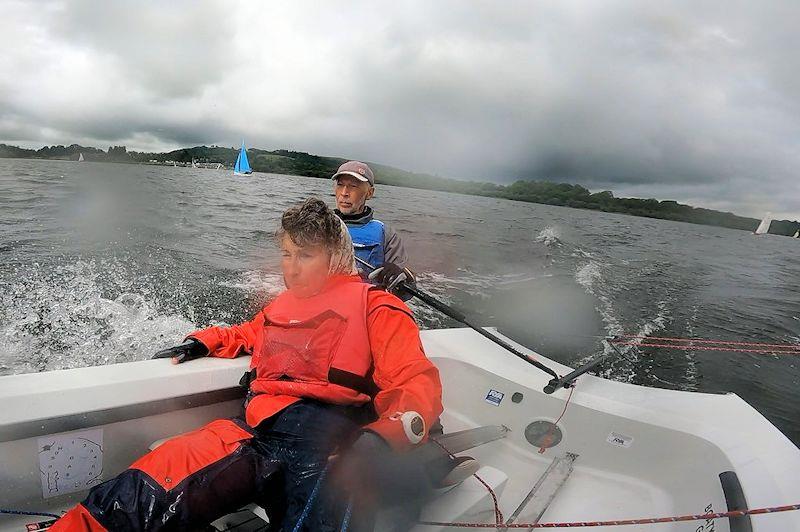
[[61, 317]]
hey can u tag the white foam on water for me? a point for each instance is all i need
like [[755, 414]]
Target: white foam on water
[[587, 275], [692, 372], [466, 280], [510, 280], [266, 284], [59, 318], [438, 285], [634, 363], [631, 365], [580, 253], [478, 284], [590, 276], [549, 236]]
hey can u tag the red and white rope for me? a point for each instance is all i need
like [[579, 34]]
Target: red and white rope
[[622, 522], [700, 344]]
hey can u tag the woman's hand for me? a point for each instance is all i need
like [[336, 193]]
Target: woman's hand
[[188, 350]]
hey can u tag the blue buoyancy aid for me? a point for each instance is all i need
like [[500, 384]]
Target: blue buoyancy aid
[[368, 241]]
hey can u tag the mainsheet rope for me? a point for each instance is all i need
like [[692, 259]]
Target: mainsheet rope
[[498, 515], [701, 344], [623, 522]]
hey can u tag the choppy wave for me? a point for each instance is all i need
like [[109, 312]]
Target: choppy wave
[[260, 283], [549, 236], [62, 318]]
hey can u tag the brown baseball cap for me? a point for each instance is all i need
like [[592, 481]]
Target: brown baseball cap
[[358, 170]]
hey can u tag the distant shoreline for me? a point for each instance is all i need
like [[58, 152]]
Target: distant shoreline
[[308, 165]]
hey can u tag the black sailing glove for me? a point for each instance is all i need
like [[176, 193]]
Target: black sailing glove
[[390, 277], [189, 350]]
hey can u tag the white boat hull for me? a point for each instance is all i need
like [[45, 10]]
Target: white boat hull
[[641, 452]]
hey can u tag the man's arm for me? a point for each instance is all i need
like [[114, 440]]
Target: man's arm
[[393, 249], [395, 268], [407, 380]]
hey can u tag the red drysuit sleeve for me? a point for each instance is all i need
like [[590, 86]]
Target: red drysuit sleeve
[[407, 380], [230, 342]]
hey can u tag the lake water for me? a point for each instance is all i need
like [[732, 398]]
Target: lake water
[[105, 263]]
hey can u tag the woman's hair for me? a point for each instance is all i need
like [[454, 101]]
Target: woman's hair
[[312, 223]]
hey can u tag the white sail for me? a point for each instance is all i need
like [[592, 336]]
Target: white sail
[[797, 234], [763, 227], [80, 158]]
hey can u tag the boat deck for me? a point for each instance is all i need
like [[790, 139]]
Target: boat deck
[[639, 452]]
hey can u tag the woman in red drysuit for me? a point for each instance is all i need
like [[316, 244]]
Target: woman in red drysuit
[[334, 360]]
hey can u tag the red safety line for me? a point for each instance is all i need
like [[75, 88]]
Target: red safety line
[[647, 521], [709, 348], [498, 515], [705, 341]]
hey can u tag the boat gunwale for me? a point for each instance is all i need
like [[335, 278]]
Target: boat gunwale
[[21, 430]]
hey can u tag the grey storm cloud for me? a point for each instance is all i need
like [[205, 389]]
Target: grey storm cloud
[[689, 100]]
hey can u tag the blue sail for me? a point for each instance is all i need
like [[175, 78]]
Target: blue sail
[[242, 165]]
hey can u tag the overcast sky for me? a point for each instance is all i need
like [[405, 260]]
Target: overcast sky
[[695, 101]]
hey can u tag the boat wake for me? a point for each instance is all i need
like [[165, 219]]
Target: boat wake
[[637, 366]]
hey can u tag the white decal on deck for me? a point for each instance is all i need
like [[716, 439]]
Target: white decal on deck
[[70, 462], [619, 440], [494, 397]]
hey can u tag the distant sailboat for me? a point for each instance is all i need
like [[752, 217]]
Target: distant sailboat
[[242, 165], [763, 227], [796, 234], [194, 164], [80, 157]]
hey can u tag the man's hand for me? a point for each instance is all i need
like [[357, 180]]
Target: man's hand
[[359, 470], [188, 350], [390, 276]]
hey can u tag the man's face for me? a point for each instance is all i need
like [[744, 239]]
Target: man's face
[[305, 268], [351, 194]]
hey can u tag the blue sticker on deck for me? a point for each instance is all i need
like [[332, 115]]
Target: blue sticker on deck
[[494, 397]]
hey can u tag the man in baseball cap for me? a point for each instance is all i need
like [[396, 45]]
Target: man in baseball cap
[[375, 242]]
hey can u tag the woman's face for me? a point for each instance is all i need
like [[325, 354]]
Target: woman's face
[[305, 268]]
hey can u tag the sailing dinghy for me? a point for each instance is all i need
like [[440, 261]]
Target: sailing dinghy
[[619, 451], [80, 157], [242, 166], [763, 227]]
